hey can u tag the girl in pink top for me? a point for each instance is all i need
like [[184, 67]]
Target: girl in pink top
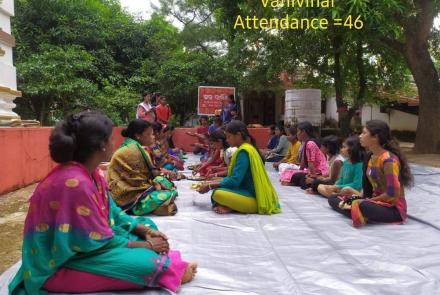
[[313, 161]]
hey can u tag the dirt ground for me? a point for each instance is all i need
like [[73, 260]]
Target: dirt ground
[[422, 159], [13, 208]]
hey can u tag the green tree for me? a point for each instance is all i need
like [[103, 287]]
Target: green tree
[[55, 81], [407, 28], [114, 43]]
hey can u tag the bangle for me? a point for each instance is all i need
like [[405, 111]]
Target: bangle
[[209, 186], [151, 244]]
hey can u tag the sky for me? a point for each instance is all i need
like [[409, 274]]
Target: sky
[[144, 9], [139, 7]]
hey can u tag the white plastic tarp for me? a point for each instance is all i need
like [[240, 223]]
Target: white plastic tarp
[[308, 249]]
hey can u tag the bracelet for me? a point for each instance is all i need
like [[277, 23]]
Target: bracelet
[[209, 186], [151, 244]]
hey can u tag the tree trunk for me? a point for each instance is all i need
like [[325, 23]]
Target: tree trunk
[[43, 114], [427, 80], [344, 123], [361, 72], [38, 105], [182, 115]]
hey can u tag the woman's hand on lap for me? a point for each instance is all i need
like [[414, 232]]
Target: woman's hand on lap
[[158, 245], [155, 234]]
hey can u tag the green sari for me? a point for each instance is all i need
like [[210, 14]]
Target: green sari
[[72, 223], [132, 183]]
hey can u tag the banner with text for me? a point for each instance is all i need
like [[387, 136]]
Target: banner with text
[[211, 98]]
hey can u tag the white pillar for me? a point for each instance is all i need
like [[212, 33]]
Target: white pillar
[[8, 77]]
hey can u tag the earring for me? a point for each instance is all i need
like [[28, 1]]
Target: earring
[[103, 149]]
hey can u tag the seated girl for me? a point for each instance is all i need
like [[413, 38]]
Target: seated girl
[[273, 138], [247, 188], [76, 239], [280, 151], [201, 131], [134, 180], [222, 170], [313, 162], [215, 161], [387, 172], [217, 123], [171, 156], [350, 181], [172, 149], [330, 147], [291, 159], [219, 139], [159, 150]]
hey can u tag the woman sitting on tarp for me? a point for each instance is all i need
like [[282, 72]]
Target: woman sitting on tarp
[[217, 146], [273, 138], [387, 172], [280, 151], [159, 150], [313, 162], [247, 188], [350, 180], [174, 151], [291, 160], [330, 147], [76, 240], [134, 180]]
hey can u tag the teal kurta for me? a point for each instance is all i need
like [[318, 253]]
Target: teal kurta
[[351, 175], [240, 181]]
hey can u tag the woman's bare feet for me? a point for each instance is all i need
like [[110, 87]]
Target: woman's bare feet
[[190, 272], [222, 210]]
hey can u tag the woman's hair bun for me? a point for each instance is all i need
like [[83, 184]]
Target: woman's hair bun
[[62, 143]]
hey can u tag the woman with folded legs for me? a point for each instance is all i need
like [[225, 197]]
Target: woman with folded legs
[[386, 174]]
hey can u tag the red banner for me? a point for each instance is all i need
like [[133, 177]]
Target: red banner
[[211, 98]]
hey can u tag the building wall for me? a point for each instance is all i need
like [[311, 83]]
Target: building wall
[[25, 158], [403, 121], [397, 120], [372, 112]]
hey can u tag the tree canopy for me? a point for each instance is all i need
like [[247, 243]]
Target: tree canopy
[[89, 54]]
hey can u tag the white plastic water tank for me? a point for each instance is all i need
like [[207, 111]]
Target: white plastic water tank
[[303, 105]]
